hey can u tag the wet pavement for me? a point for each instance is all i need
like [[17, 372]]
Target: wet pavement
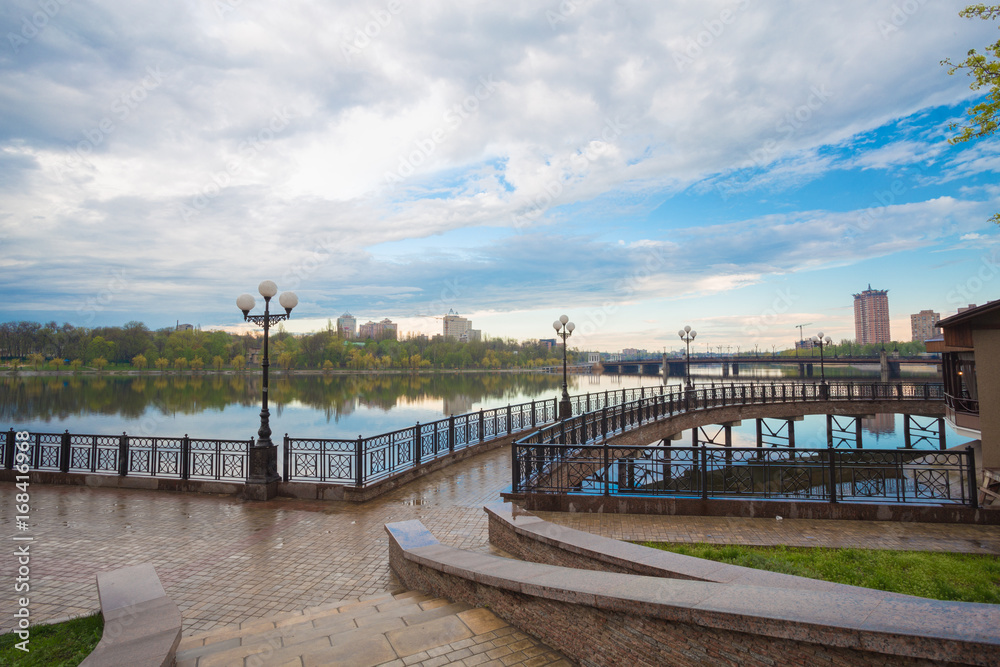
[[224, 561]]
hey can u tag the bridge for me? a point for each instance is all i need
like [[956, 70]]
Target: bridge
[[608, 458], [731, 364]]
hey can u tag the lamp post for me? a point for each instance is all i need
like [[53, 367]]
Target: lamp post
[[262, 482], [687, 335], [819, 340], [564, 328]]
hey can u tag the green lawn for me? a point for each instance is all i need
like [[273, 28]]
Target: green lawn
[[60, 645], [941, 576]]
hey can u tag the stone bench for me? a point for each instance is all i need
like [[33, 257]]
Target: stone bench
[[142, 626], [617, 618]]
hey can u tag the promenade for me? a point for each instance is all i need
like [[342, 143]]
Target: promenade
[[225, 561]]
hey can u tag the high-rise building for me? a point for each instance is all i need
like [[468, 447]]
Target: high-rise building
[[922, 326], [457, 327], [347, 326], [871, 316], [378, 330]]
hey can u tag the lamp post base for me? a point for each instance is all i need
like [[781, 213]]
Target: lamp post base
[[565, 409], [262, 484]]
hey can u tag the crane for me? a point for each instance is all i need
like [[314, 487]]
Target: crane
[[799, 327]]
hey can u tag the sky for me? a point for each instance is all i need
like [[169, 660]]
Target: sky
[[739, 167]]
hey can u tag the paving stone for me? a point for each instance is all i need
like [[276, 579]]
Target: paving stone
[[481, 620], [430, 634]]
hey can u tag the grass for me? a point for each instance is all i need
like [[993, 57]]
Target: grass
[[936, 575], [58, 645]]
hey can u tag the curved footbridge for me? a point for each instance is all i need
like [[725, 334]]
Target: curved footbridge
[[622, 458]]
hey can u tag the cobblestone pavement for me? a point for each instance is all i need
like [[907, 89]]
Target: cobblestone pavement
[[223, 560]]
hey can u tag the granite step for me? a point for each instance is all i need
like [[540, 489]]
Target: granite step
[[395, 628]]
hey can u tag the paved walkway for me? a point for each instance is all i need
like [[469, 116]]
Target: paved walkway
[[224, 561]]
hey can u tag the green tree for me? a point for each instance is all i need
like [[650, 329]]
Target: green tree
[[239, 362], [327, 366], [36, 359], [99, 363], [197, 364], [217, 362], [180, 363], [139, 362], [76, 364], [57, 362], [985, 72], [161, 363], [286, 360]]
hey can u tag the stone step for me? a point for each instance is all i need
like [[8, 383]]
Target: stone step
[[396, 628]]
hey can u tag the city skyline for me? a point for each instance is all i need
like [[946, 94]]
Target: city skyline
[[739, 168]]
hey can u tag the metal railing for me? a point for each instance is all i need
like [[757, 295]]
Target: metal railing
[[125, 455], [363, 461], [834, 475], [550, 459]]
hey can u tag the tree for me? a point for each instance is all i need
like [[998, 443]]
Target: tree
[[217, 362], [197, 364], [181, 363], [286, 360], [161, 363], [99, 363], [76, 364], [239, 362], [36, 359], [139, 362], [985, 72], [57, 362]]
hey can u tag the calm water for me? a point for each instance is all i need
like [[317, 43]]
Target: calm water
[[331, 406]]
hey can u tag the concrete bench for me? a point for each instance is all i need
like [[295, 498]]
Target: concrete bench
[[142, 626]]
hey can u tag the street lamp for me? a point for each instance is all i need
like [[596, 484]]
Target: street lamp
[[819, 340], [687, 335], [564, 328], [262, 482]]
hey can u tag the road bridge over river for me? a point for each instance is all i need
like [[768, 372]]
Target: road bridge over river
[[732, 364]]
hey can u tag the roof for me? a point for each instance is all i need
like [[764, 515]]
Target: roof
[[988, 308]]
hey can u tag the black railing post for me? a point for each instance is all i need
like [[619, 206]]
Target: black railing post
[[8, 451], [532, 413], [831, 458], [510, 424], [482, 424], [286, 455], [607, 470], [186, 457], [123, 455], [418, 446], [451, 432], [359, 462], [704, 472], [927, 391], [515, 468], [604, 422], [64, 452], [970, 470]]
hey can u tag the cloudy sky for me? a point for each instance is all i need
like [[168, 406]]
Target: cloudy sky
[[742, 167]]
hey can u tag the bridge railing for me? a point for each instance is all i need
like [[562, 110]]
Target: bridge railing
[[535, 457], [835, 475]]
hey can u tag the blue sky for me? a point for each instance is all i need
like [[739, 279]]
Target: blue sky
[[741, 167]]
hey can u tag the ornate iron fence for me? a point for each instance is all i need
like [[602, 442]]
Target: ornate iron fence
[[367, 460], [835, 475], [125, 455]]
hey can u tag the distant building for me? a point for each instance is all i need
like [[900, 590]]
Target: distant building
[[593, 357], [871, 316], [386, 329], [183, 327], [547, 343], [457, 327], [922, 326], [806, 344], [347, 326]]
